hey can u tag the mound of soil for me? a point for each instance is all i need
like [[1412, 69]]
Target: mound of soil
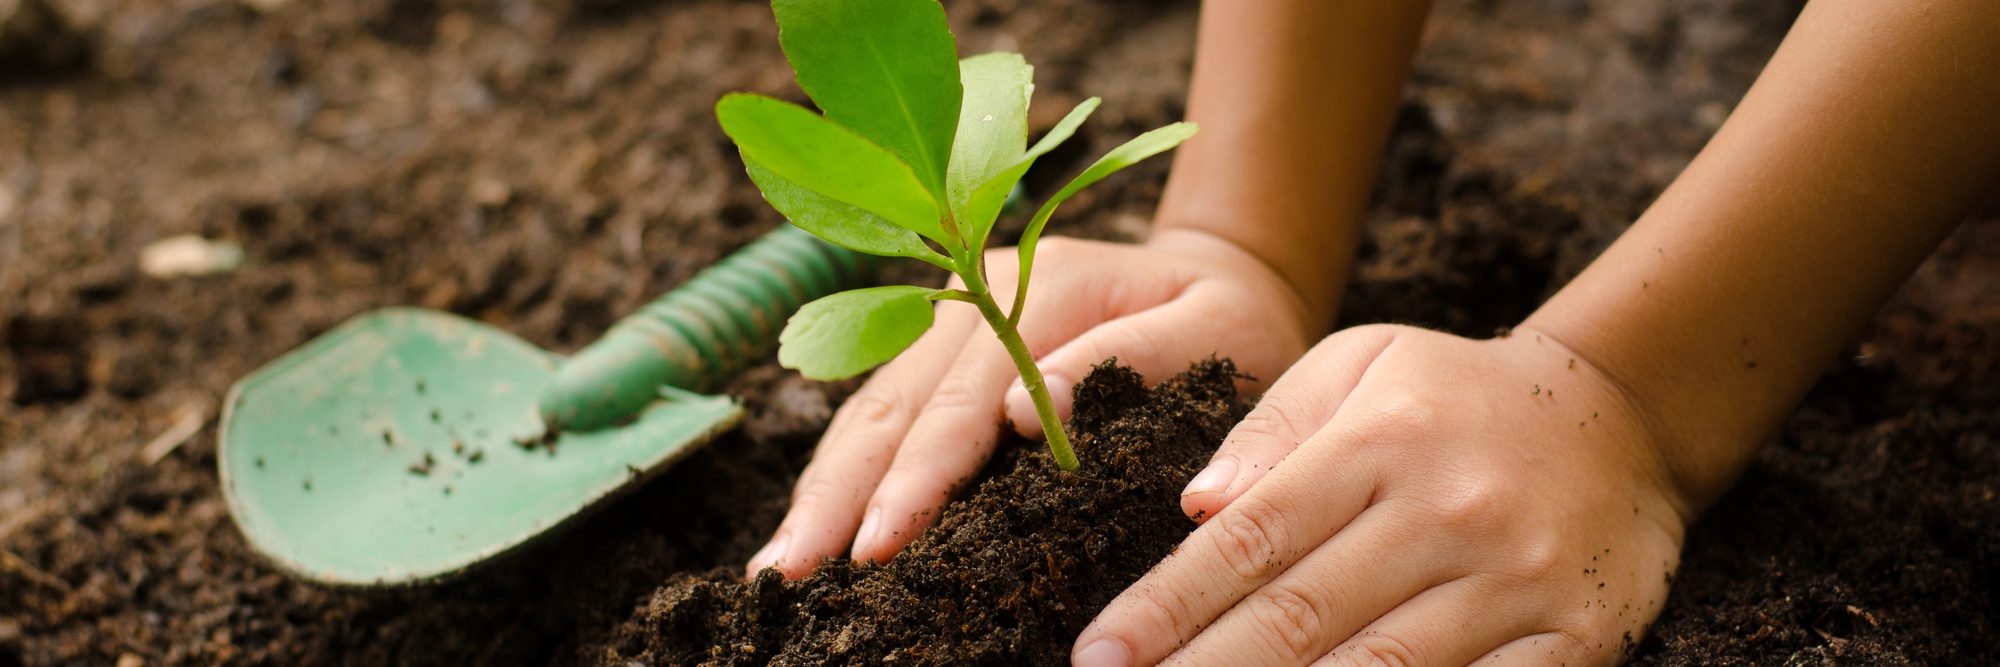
[[1009, 575], [547, 166]]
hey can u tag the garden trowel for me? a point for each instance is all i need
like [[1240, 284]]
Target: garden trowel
[[408, 444]]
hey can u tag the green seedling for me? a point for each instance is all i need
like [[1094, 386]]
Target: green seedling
[[914, 157]]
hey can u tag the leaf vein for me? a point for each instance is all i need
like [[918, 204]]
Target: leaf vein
[[909, 114]]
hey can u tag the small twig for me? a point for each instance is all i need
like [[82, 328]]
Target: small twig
[[1863, 613], [14, 563], [188, 420]]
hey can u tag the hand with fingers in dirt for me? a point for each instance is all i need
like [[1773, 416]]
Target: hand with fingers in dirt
[[1401, 496], [1248, 255], [1407, 497], [909, 438]]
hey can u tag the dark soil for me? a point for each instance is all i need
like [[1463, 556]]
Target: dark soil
[[547, 166], [1010, 574]]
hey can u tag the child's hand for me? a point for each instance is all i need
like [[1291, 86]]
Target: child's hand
[[922, 426], [1441, 501]]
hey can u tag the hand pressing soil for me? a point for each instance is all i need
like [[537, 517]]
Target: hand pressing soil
[[1009, 575]]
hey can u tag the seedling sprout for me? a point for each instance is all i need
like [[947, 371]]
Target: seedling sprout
[[915, 145]]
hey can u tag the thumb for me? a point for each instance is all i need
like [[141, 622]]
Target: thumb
[[1141, 340], [1203, 321]]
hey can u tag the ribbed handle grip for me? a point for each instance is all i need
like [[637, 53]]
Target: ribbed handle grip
[[721, 321]]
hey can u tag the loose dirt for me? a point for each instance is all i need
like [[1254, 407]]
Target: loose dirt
[[548, 166], [1010, 574]]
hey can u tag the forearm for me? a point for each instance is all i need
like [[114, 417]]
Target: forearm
[[1869, 135], [1295, 99]]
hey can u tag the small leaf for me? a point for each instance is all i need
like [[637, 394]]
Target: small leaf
[[1139, 148], [975, 220], [813, 152], [839, 223], [992, 122], [887, 69], [845, 334], [1064, 128]]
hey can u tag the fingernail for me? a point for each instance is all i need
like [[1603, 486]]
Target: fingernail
[[1017, 396], [1106, 652], [870, 533], [770, 554], [1214, 479]]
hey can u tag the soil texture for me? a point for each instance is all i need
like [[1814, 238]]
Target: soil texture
[[548, 165], [1009, 575]]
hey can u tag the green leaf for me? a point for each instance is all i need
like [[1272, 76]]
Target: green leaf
[[839, 223], [813, 152], [886, 69], [992, 122], [845, 334], [975, 219], [1139, 148]]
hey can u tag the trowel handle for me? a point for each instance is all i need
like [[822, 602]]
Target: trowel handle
[[716, 324]]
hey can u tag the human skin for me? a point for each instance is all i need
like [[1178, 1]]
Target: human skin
[[1251, 248], [1522, 500], [1401, 496]]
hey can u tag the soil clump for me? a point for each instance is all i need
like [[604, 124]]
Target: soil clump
[[549, 166], [1009, 575]]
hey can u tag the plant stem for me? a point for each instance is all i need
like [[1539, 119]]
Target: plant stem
[[1031, 377]]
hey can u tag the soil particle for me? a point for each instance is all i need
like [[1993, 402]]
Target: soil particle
[[422, 468], [549, 166], [1010, 574]]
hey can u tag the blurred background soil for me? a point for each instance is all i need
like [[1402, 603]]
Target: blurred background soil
[[548, 165]]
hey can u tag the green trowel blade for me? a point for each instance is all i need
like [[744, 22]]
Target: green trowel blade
[[390, 450]]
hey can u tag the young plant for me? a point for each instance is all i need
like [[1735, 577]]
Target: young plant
[[916, 152]]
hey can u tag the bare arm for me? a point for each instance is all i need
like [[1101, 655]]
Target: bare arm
[[1440, 503], [1251, 249], [1872, 132], [1295, 99]]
